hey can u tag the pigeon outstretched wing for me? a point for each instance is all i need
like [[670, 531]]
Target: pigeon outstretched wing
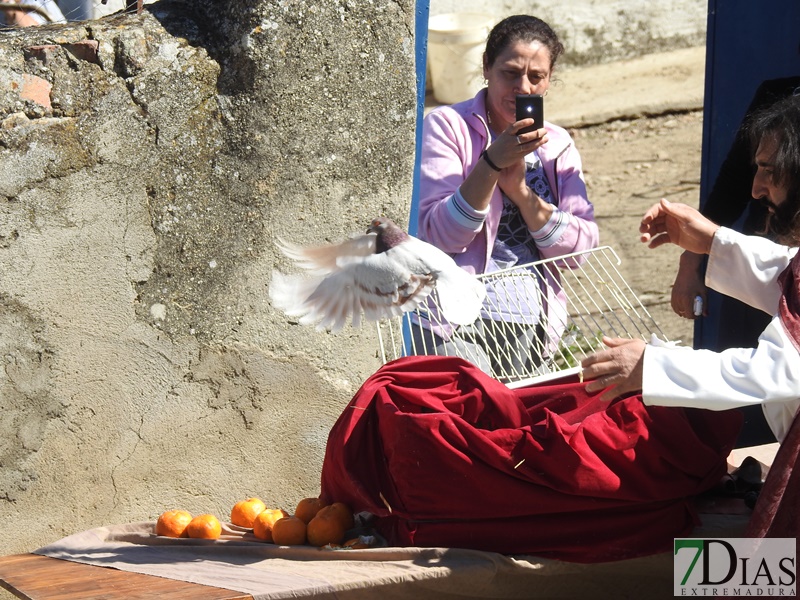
[[381, 274]]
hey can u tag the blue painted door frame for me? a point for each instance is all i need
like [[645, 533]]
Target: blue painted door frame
[[748, 43], [421, 59]]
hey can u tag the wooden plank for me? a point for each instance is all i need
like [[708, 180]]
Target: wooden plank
[[35, 577]]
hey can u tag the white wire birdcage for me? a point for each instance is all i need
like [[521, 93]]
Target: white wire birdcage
[[538, 320]]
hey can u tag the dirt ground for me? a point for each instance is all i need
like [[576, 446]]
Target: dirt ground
[[629, 165]]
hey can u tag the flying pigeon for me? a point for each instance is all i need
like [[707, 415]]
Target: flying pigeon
[[383, 273]]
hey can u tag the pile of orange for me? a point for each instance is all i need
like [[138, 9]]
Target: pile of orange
[[172, 523], [313, 522], [265, 521], [180, 523], [206, 527], [245, 512]]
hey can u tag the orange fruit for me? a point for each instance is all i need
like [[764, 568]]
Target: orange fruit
[[263, 523], [289, 531], [307, 508], [344, 512], [245, 511], [205, 527], [172, 523], [326, 527]]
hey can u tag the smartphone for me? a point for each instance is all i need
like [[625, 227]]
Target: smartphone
[[530, 106]]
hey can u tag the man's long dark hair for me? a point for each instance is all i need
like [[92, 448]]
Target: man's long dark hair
[[780, 122]]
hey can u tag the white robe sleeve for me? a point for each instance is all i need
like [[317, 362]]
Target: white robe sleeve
[[746, 268]]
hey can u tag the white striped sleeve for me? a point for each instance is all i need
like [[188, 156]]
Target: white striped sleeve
[[553, 230], [463, 214]]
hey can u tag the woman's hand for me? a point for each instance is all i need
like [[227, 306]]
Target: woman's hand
[[508, 150], [618, 370], [512, 181], [509, 147], [531, 140], [688, 285], [678, 224], [535, 211]]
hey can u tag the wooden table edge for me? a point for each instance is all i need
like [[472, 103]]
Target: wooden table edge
[[50, 578]]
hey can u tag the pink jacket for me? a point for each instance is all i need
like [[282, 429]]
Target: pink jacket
[[453, 139]]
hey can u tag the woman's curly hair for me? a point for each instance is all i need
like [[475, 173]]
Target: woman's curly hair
[[521, 28]]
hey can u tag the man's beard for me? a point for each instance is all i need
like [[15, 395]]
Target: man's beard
[[783, 219]]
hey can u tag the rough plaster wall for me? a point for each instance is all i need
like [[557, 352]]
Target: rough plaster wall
[[146, 165], [599, 31]]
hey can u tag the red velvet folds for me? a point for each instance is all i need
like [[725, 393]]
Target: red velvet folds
[[463, 461], [776, 512], [789, 304]]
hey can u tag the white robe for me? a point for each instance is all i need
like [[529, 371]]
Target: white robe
[[746, 268]]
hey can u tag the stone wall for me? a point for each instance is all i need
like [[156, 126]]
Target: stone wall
[[148, 164]]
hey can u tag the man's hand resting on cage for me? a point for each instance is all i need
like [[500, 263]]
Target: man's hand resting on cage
[[618, 369]]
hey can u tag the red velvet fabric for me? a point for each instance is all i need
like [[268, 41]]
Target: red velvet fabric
[[444, 455], [777, 510], [789, 303]]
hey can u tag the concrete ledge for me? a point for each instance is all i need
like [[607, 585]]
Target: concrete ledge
[[649, 85]]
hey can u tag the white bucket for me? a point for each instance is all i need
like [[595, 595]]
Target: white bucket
[[455, 54]]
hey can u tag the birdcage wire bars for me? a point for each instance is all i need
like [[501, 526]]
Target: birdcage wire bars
[[538, 321]]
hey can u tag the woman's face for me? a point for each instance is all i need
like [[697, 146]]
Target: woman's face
[[522, 68]]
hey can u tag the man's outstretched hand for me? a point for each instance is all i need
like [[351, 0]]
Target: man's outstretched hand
[[679, 224]]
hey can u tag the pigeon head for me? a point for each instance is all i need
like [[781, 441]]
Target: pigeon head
[[389, 234]]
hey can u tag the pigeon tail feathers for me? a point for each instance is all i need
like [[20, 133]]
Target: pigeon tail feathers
[[460, 296]]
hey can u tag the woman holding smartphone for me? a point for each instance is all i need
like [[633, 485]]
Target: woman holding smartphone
[[494, 197]]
